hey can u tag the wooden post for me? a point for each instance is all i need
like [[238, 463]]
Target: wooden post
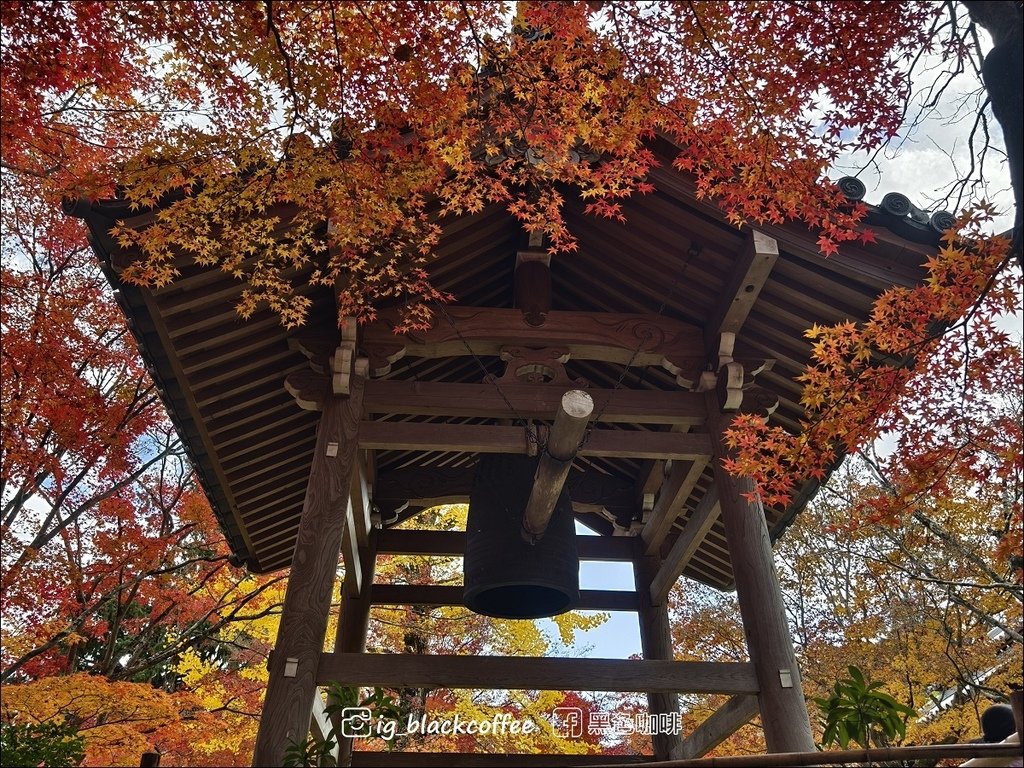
[[533, 286], [353, 624], [293, 664], [571, 420], [656, 643], [781, 699], [1017, 703]]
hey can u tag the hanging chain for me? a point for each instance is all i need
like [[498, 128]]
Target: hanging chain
[[531, 431]]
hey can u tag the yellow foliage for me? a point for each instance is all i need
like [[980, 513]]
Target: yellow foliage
[[573, 621], [110, 715]]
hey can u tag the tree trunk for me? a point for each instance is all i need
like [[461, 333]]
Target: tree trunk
[[1003, 75]]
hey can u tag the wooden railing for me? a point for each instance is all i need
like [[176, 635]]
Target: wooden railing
[[844, 757], [847, 756]]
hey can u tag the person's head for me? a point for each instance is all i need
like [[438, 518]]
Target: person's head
[[997, 723]]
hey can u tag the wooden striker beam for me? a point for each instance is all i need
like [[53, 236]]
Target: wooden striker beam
[[570, 422]]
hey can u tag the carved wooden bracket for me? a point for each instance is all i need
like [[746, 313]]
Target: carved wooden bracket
[[641, 340], [332, 366], [535, 366], [382, 354], [344, 359], [317, 347], [310, 389], [733, 377], [760, 401], [730, 386]]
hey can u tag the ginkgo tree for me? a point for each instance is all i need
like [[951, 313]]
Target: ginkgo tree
[[926, 606]]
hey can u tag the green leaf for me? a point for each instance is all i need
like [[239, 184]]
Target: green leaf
[[844, 734], [859, 710], [856, 675]]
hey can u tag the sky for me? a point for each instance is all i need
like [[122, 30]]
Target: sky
[[925, 160], [619, 636]]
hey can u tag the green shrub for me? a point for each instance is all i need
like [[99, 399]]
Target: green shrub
[[53, 744]]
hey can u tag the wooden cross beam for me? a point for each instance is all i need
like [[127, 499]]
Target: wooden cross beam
[[442, 595], [740, 294], [482, 438], [430, 487], [643, 339], [535, 673], [723, 723], [397, 541], [487, 400], [685, 546], [682, 479]]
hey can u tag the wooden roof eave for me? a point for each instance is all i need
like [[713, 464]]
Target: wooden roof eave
[[864, 270]]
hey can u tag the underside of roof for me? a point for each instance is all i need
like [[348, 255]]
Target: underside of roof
[[675, 268]]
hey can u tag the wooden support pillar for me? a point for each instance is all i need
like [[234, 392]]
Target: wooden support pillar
[[288, 705], [656, 643], [781, 699], [355, 608], [354, 622]]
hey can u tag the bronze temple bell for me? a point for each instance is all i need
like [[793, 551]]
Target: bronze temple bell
[[505, 575], [521, 560]]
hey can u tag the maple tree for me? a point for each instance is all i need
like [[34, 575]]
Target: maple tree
[[114, 570], [938, 393], [392, 113], [358, 137]]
